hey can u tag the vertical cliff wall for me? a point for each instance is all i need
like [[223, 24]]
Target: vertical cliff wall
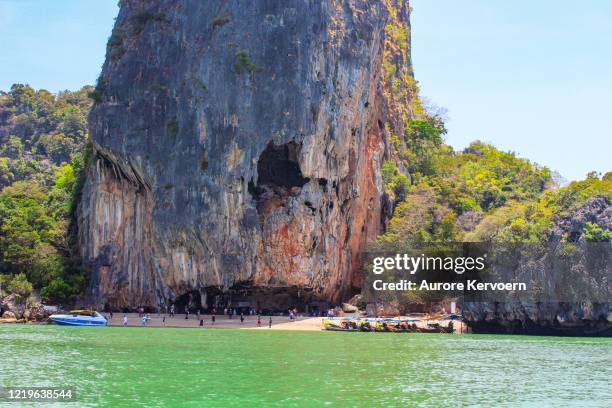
[[239, 144]]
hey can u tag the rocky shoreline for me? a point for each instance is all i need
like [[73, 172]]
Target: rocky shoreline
[[15, 309], [558, 319]]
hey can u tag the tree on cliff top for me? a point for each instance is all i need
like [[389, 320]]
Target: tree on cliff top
[[478, 194]]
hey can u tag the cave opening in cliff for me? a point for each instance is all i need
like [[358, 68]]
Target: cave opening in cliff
[[279, 176], [278, 166], [190, 300]]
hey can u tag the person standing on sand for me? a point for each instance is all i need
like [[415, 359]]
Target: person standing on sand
[[270, 322], [213, 319], [164, 320], [124, 319], [201, 322], [258, 321], [186, 312], [171, 310], [241, 318], [111, 315]]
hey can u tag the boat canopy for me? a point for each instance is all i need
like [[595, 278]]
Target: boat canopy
[[83, 312]]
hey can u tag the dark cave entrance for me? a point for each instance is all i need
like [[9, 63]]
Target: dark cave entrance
[[191, 300], [278, 166], [244, 298], [279, 176]]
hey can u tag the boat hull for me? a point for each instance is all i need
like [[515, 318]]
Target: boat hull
[[64, 320]]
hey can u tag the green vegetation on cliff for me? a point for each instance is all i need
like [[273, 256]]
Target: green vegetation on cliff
[[478, 194], [43, 149], [481, 194]]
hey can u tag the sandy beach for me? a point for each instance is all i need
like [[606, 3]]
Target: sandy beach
[[224, 322], [221, 322]]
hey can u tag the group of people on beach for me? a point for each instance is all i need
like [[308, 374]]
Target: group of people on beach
[[170, 312], [145, 318]]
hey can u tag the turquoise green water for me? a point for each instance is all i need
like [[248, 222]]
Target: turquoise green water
[[116, 366]]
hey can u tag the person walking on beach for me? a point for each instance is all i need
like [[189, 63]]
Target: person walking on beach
[[171, 310], [258, 321], [270, 322], [241, 318], [186, 312], [164, 320], [111, 315], [124, 319], [213, 319]]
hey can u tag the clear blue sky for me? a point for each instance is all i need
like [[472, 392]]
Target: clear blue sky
[[53, 44], [534, 77], [531, 76]]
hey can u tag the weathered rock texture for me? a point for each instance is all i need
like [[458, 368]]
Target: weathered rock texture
[[570, 283], [238, 143], [17, 309]]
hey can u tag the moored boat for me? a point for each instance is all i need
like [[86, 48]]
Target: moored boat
[[378, 324], [334, 324], [79, 318]]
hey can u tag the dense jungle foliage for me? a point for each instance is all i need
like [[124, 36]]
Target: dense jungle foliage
[[478, 194], [43, 152]]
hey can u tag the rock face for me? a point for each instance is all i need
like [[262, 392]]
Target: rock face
[[237, 145], [558, 318], [598, 210], [13, 306], [573, 277], [16, 308]]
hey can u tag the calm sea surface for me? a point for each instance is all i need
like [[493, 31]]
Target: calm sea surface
[[116, 366]]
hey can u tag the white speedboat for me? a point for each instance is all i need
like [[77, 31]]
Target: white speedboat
[[79, 318]]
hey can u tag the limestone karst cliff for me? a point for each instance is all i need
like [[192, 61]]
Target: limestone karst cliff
[[237, 146], [569, 282]]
